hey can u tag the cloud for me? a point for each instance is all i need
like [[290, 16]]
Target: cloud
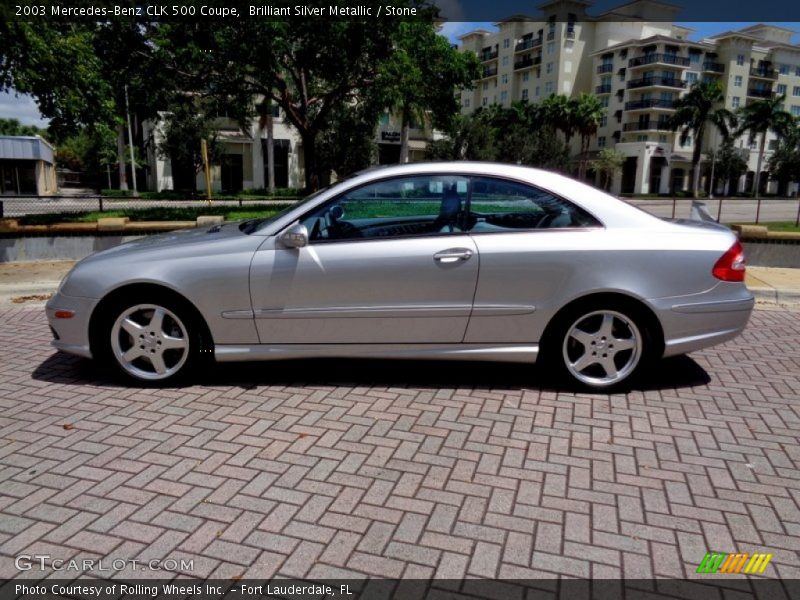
[[22, 108], [452, 29]]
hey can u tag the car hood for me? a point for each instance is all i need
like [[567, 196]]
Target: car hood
[[173, 240]]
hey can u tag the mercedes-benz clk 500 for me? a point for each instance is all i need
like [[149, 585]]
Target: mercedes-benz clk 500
[[459, 260]]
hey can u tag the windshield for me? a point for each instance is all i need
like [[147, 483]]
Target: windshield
[[252, 225]]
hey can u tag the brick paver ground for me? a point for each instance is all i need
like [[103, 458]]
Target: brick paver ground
[[337, 469]]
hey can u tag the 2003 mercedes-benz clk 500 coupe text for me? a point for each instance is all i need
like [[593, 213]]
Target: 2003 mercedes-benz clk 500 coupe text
[[427, 261]]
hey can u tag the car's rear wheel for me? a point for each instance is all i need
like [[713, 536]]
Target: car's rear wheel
[[601, 348], [151, 341]]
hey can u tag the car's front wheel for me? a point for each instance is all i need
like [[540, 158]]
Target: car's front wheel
[[602, 348], [153, 341]]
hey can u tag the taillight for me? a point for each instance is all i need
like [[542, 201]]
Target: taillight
[[730, 266]]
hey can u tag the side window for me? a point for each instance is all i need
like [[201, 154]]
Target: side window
[[406, 206], [500, 205]]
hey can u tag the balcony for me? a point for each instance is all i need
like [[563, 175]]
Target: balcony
[[486, 56], [528, 61], [672, 82], [605, 68], [649, 125], [603, 89], [764, 73], [525, 44], [714, 67], [649, 103], [490, 71], [664, 59], [760, 93]]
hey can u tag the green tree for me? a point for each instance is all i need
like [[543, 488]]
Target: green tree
[[694, 112], [468, 138], [418, 78], [14, 127], [757, 119], [784, 164], [559, 113], [347, 144], [608, 163], [729, 164], [587, 111], [184, 128]]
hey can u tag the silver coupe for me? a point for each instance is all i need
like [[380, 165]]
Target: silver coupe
[[459, 260]]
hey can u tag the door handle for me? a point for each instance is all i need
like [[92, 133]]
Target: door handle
[[452, 255]]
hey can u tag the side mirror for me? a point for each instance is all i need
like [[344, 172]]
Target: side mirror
[[295, 237]]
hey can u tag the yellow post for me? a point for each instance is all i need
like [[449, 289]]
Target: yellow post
[[206, 168]]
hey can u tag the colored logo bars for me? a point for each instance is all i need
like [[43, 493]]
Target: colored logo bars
[[719, 562]]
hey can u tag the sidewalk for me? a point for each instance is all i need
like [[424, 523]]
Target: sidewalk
[[770, 285]]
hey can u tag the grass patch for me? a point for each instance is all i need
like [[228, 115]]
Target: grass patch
[[779, 226], [157, 213], [254, 194]]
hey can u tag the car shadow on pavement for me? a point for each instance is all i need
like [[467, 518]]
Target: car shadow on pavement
[[670, 373]]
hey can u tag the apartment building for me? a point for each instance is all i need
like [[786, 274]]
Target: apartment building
[[638, 68]]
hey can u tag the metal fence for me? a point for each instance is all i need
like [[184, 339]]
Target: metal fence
[[725, 210]]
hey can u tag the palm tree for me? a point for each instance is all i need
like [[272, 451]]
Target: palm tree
[[587, 112], [693, 113], [558, 113], [758, 118]]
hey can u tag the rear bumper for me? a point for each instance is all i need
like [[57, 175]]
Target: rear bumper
[[694, 322], [71, 335]]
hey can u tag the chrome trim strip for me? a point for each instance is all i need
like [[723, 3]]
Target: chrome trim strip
[[373, 312], [715, 306], [524, 353], [237, 314]]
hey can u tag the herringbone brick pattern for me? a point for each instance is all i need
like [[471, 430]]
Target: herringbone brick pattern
[[342, 469]]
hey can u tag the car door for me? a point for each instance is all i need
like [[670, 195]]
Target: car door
[[388, 262], [533, 245]]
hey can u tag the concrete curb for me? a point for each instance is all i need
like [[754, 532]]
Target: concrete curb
[[768, 295]]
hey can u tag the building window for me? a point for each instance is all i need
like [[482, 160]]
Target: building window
[[536, 91], [795, 110], [740, 60], [525, 94], [694, 56], [603, 120], [504, 79], [796, 90], [505, 61], [686, 142], [604, 101], [662, 139], [641, 138], [737, 81], [783, 69], [506, 43], [772, 145], [549, 68], [466, 102], [485, 85], [526, 76], [797, 71], [781, 89], [503, 97], [601, 141], [548, 87], [691, 78], [484, 101], [735, 101], [551, 47]]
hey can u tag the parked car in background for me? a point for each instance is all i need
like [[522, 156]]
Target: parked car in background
[[456, 260]]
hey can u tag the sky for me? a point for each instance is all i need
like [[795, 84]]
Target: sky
[[24, 109]]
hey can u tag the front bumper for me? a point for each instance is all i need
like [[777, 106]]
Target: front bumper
[[71, 335]]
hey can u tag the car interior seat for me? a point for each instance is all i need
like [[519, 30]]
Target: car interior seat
[[449, 210]]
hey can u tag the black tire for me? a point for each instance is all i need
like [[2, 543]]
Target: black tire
[[179, 322], [562, 351]]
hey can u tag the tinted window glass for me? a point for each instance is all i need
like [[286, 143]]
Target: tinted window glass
[[499, 205], [407, 206]]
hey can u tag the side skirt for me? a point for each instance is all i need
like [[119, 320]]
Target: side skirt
[[523, 353]]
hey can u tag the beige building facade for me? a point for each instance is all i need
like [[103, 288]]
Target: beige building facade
[[638, 69]]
